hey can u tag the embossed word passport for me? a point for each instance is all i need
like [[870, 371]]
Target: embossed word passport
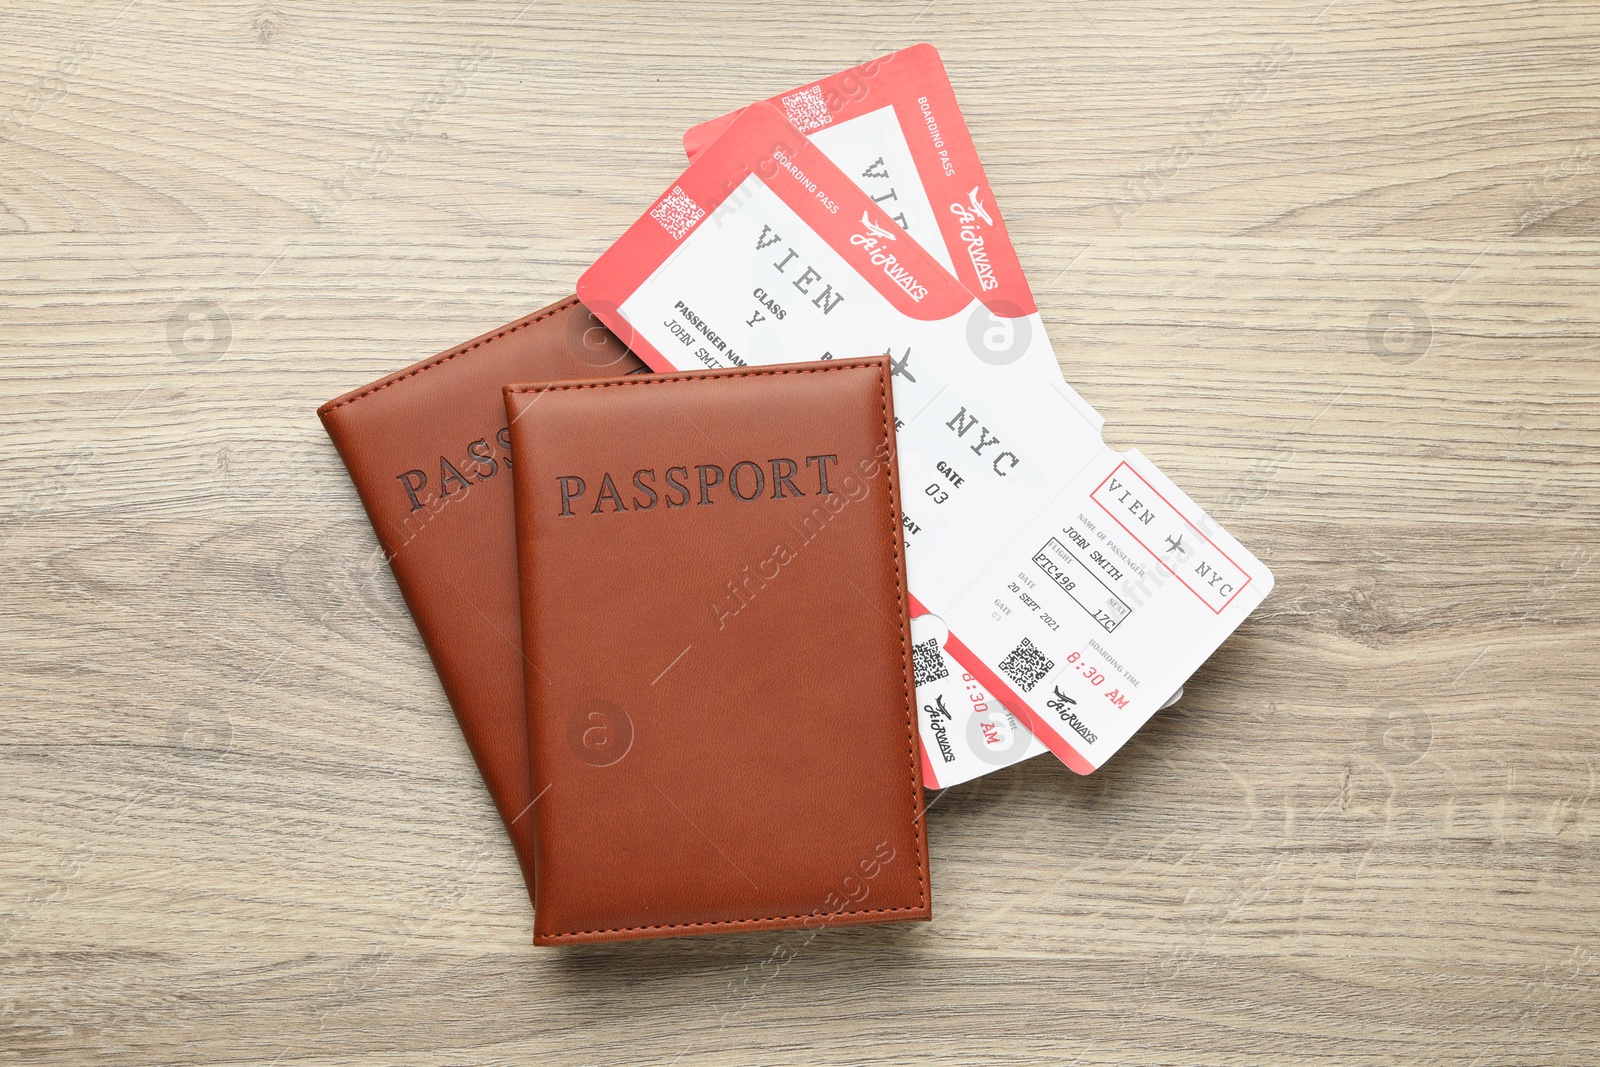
[[428, 450], [748, 759]]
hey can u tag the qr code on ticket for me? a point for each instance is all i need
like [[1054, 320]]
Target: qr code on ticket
[[677, 213], [927, 663], [807, 110], [1027, 666]]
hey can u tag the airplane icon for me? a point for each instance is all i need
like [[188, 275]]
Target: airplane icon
[[1175, 544], [901, 367], [976, 203], [875, 229]]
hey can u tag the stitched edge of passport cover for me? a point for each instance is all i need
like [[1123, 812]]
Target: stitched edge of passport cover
[[914, 765], [446, 356], [506, 801]]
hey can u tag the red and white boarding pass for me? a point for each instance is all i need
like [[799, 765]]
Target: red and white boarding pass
[[1076, 584], [893, 126]]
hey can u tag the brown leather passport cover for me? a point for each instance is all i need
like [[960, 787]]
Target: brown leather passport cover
[[427, 448], [748, 760]]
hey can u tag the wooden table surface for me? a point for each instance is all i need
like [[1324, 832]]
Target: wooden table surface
[[1332, 265]]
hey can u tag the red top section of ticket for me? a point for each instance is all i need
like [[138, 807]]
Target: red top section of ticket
[[913, 82]]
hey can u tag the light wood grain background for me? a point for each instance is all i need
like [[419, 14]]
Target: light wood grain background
[[1331, 265]]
